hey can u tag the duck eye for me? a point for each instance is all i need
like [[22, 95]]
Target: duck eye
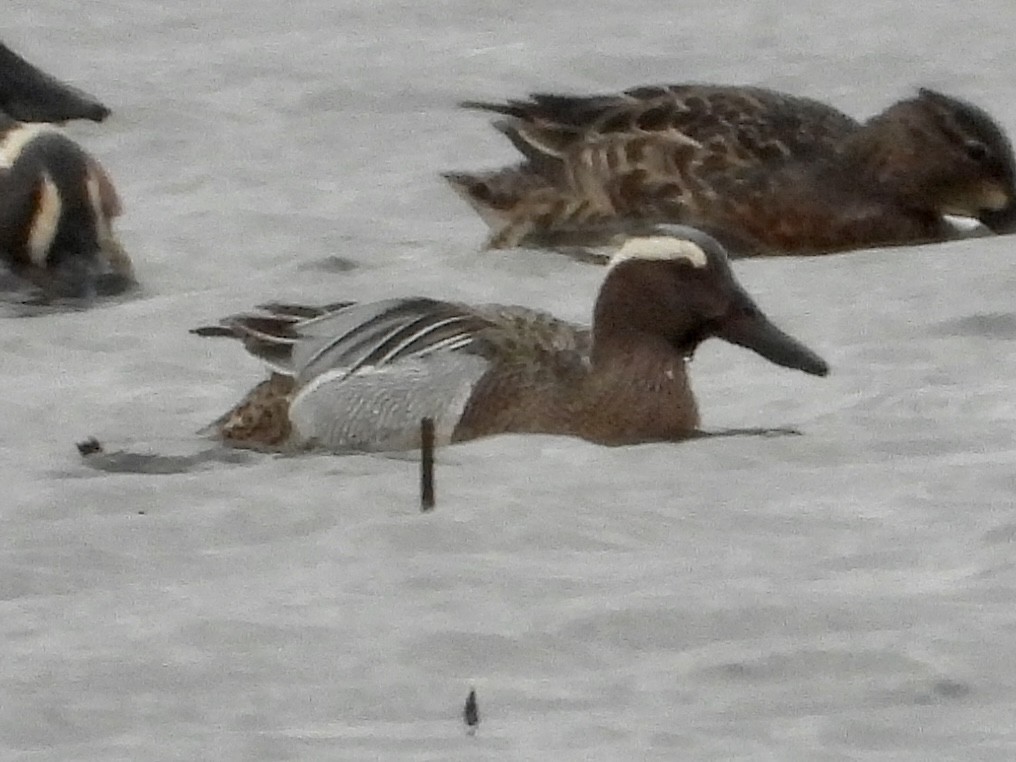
[[976, 150]]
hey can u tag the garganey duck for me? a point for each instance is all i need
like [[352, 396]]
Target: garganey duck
[[361, 376], [765, 172], [57, 203]]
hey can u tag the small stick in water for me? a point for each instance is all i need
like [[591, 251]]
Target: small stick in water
[[471, 712], [427, 464]]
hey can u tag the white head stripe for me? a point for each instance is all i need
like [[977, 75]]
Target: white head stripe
[[14, 142], [661, 247]]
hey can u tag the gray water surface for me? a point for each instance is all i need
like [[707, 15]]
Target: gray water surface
[[844, 594]]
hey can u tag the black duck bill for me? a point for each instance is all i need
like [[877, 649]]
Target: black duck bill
[[1000, 221], [29, 94], [747, 326]]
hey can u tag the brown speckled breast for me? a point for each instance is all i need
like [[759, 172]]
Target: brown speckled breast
[[261, 419]]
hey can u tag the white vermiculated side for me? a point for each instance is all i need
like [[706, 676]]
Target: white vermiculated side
[[44, 221], [660, 247], [379, 409]]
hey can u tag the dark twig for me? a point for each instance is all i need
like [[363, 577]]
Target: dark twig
[[427, 464], [471, 712]]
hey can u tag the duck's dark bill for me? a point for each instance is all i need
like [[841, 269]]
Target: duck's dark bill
[[756, 333], [1002, 221], [30, 95]]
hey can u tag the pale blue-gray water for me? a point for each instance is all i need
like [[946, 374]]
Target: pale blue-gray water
[[848, 593]]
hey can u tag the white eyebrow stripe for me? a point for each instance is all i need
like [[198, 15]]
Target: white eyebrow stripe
[[661, 248], [14, 142]]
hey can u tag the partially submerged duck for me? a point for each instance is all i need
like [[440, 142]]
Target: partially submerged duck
[[57, 206], [361, 376], [57, 203], [28, 94], [767, 173]]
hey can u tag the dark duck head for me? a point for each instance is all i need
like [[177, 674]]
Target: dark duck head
[[945, 155], [677, 290]]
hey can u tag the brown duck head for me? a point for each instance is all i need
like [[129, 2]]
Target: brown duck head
[[944, 155], [674, 290]]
